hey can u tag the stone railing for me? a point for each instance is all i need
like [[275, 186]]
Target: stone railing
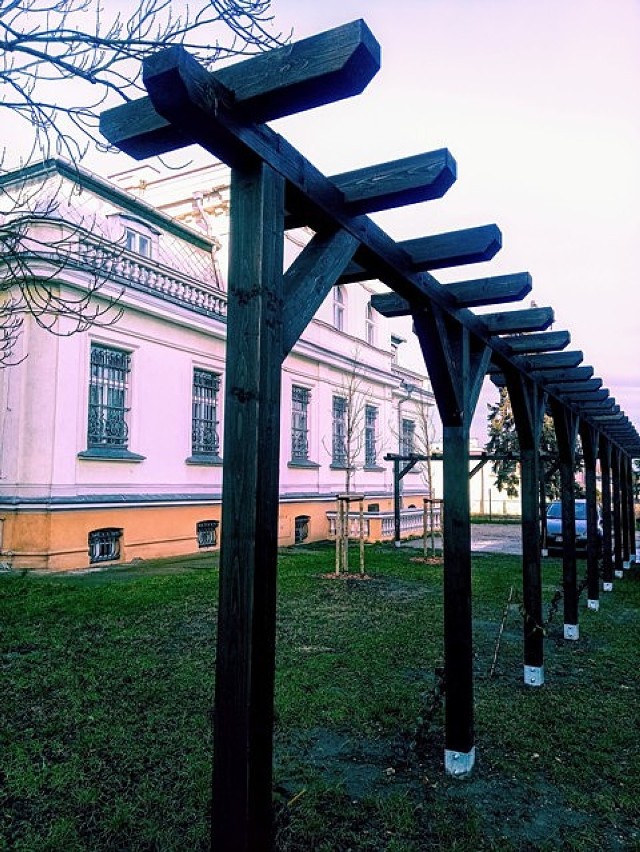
[[380, 526], [145, 274]]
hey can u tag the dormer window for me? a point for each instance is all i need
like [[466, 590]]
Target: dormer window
[[137, 242]]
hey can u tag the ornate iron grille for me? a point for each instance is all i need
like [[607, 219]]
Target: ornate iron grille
[[207, 533], [339, 443], [107, 426], [407, 438], [104, 544], [370, 419], [204, 418], [299, 424]]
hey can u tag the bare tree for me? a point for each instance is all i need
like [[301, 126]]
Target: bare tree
[[63, 62]]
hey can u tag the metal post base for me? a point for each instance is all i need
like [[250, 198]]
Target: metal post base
[[617, 574], [607, 587], [534, 675], [625, 565], [593, 605], [459, 763], [544, 552], [572, 631]]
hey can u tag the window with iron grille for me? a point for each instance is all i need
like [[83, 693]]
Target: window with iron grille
[[338, 308], [207, 533], [339, 436], [370, 421], [108, 380], [407, 438], [204, 414], [300, 423], [104, 544], [301, 528]]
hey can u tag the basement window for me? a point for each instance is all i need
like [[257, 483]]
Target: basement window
[[207, 533], [301, 528], [104, 545]]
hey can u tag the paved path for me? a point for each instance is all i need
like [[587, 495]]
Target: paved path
[[496, 538]]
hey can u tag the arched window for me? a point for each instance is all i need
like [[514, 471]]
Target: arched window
[[338, 308]]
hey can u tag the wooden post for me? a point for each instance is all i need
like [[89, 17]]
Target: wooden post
[[245, 666], [617, 512], [632, 514], [566, 428], [605, 473], [361, 504], [396, 502], [624, 511], [457, 364], [528, 410], [589, 438]]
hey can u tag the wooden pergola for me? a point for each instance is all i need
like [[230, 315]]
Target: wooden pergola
[[273, 187]]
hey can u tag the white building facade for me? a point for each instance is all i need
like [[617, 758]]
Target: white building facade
[[111, 436]]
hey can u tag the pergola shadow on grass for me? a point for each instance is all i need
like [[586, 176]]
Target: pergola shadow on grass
[[106, 736], [274, 187]]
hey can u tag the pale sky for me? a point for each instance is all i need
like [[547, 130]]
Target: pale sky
[[539, 103]]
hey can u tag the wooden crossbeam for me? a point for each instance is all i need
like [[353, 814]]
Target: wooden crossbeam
[[324, 68], [547, 341], [497, 290], [394, 184], [572, 374], [440, 251], [589, 396], [575, 386], [515, 322], [554, 360]]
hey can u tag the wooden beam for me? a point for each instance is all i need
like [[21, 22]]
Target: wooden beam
[[499, 289], [591, 396], [571, 374], [561, 388], [440, 251], [324, 68], [548, 341], [553, 360], [397, 183], [390, 305], [515, 322]]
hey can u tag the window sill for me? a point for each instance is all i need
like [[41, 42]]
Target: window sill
[[334, 466], [304, 463], [207, 461], [374, 468], [110, 454]]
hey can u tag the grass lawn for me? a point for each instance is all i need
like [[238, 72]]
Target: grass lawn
[[105, 724]]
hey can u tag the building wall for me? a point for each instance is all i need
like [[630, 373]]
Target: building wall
[[53, 493]]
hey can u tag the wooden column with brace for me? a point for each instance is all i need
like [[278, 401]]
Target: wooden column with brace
[[589, 437], [607, 514], [566, 427], [632, 514], [457, 365], [616, 491], [527, 402]]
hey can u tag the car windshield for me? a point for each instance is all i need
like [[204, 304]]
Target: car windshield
[[555, 510]]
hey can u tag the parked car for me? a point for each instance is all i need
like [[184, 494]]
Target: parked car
[[554, 526]]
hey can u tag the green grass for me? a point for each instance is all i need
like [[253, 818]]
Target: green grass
[[105, 723]]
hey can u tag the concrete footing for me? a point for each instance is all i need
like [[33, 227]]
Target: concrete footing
[[459, 763], [607, 587], [572, 632], [593, 605], [534, 675]]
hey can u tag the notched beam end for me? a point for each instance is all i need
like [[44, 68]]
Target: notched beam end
[[410, 180], [138, 130], [390, 305]]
